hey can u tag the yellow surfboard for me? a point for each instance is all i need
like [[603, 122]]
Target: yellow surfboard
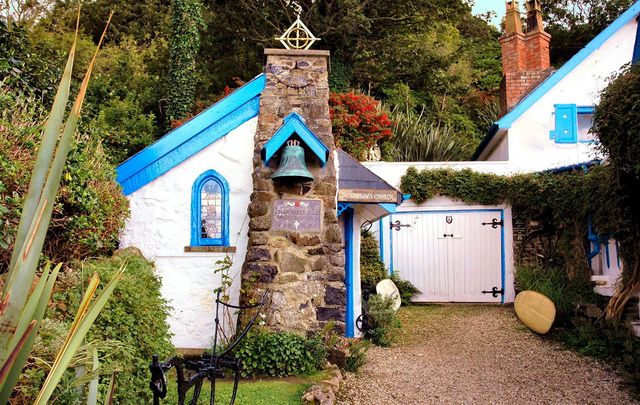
[[536, 311]]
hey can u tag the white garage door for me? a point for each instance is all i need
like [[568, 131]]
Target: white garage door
[[451, 256]]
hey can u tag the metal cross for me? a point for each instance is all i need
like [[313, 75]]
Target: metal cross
[[298, 36]]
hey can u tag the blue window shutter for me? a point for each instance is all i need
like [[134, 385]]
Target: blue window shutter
[[566, 124]]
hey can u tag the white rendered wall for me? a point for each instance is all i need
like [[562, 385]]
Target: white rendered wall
[[530, 148], [160, 226]]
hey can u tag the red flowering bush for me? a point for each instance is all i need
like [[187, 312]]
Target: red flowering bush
[[358, 122]]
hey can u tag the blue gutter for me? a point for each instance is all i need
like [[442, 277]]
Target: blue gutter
[[508, 120], [349, 280]]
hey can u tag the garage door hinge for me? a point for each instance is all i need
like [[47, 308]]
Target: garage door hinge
[[494, 223], [397, 225], [495, 292]]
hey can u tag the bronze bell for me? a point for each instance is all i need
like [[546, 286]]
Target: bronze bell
[[292, 165]]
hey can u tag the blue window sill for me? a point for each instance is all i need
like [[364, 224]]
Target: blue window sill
[[210, 249]]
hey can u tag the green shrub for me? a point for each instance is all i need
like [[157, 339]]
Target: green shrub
[[356, 355], [372, 269], [406, 288], [136, 315], [90, 209], [565, 292], [385, 321], [280, 354]]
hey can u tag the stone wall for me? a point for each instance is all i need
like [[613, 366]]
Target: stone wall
[[303, 271]]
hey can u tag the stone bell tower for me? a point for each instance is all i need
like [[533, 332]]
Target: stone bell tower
[[295, 243]]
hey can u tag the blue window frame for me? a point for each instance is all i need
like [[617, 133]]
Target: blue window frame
[[210, 210]]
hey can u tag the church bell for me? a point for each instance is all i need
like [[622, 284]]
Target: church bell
[[292, 165]]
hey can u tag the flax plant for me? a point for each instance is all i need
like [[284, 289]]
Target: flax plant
[[22, 307]]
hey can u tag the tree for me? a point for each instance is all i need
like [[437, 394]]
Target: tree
[[573, 23], [184, 46], [617, 124]]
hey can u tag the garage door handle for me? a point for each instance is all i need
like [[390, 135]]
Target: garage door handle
[[494, 291], [447, 234]]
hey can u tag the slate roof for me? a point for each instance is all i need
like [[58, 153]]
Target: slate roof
[[354, 176]]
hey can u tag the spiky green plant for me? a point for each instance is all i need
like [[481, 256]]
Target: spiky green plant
[[21, 311], [415, 139]]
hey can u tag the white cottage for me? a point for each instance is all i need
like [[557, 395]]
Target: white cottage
[[210, 189], [455, 252]]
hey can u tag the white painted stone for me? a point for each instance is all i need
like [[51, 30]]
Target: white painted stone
[[160, 226]]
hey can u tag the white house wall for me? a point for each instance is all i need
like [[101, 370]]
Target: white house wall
[[530, 148], [160, 226]]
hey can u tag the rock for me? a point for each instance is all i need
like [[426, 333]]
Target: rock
[[261, 223], [257, 209], [289, 262], [337, 260], [302, 239], [258, 254], [318, 395], [333, 234], [326, 314], [262, 272], [315, 251], [320, 264], [335, 296], [326, 189], [258, 238]]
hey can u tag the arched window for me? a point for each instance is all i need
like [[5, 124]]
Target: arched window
[[210, 210]]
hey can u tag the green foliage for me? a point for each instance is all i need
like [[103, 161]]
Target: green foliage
[[372, 269], [416, 140], [280, 354], [406, 288], [573, 23], [90, 209], [617, 124], [185, 44], [565, 292], [136, 316], [356, 355], [386, 323]]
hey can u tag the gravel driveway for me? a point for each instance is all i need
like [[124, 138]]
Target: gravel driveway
[[462, 354]]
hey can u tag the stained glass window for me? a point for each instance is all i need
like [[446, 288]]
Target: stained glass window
[[211, 210]]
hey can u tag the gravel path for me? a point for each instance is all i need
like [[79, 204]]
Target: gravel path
[[463, 354]]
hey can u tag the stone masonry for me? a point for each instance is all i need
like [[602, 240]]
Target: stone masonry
[[303, 271]]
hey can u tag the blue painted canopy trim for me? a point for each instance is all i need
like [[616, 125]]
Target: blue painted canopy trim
[[636, 48], [294, 124], [191, 137], [508, 120]]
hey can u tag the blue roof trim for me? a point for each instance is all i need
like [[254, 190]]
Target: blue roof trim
[[508, 120], [191, 137], [636, 48], [578, 166], [294, 123]]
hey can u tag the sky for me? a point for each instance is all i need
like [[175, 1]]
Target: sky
[[483, 6]]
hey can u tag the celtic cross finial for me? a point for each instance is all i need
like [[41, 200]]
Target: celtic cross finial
[[298, 36]]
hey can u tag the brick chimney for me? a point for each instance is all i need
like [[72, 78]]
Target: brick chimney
[[525, 55]]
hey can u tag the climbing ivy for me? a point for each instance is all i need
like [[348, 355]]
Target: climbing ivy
[[185, 43]]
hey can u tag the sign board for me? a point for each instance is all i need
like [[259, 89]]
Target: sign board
[[296, 215], [368, 196]]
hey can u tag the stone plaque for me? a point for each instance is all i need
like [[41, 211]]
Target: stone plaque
[[296, 215]]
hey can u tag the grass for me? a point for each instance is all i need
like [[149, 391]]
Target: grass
[[269, 391]]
